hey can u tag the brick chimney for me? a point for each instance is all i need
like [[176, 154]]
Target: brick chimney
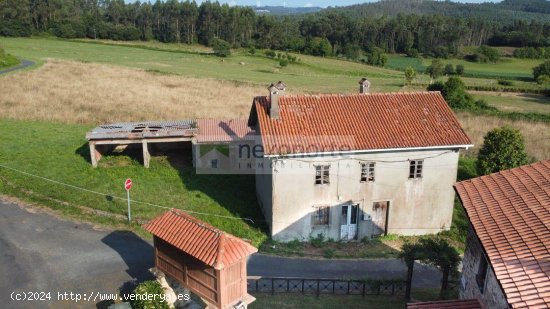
[[364, 85], [275, 91]]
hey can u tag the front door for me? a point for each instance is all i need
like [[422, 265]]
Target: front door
[[348, 229], [380, 218]]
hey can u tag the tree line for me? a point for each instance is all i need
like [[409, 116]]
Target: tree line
[[325, 33]]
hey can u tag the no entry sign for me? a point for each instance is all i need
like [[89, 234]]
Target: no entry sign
[[128, 184]]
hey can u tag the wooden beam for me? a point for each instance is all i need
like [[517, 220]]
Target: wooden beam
[[139, 141], [95, 155], [146, 155]]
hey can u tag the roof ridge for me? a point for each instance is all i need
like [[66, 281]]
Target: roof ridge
[[504, 172]]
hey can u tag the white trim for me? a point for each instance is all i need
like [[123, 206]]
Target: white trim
[[312, 154]]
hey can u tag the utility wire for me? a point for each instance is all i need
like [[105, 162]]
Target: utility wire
[[118, 197]]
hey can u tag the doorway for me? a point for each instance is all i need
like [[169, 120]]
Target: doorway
[[380, 212], [348, 227]]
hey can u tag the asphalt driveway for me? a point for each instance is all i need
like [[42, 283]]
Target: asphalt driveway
[[42, 253]]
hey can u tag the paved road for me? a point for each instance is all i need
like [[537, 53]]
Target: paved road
[[24, 64], [40, 252], [272, 266]]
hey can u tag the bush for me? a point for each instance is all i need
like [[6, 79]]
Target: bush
[[542, 69], [270, 53], [221, 48], [329, 253], [435, 69], [543, 79], [449, 69], [377, 57], [318, 241], [283, 63], [486, 54], [252, 50], [504, 82], [413, 53], [410, 75], [7, 60], [459, 69], [503, 148], [150, 287]]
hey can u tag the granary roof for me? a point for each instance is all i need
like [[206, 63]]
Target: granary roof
[[369, 121], [222, 130], [446, 304], [145, 129], [510, 213], [199, 239]]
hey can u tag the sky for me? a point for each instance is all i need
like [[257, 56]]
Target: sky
[[309, 3]]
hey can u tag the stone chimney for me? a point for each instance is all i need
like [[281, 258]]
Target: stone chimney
[[275, 91], [364, 85]]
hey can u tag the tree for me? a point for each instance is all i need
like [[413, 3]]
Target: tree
[[485, 53], [454, 92], [542, 69], [543, 79], [449, 69], [503, 148], [410, 75], [435, 70], [221, 48], [459, 69]]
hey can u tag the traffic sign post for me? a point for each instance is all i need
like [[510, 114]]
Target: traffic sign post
[[128, 186]]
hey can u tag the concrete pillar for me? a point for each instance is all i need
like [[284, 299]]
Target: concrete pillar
[[146, 155], [95, 155]]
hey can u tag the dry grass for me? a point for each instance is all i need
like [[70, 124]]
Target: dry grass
[[75, 92], [536, 134]]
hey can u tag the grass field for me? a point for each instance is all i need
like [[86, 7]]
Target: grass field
[[516, 102], [7, 60]]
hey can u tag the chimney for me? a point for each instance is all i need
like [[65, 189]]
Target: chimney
[[364, 85], [275, 91]]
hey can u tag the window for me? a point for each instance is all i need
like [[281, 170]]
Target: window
[[482, 273], [367, 171], [214, 163], [320, 216], [415, 169], [322, 174]]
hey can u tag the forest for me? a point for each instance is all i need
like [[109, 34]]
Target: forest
[[331, 32]]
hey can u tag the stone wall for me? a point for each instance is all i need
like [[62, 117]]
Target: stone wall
[[492, 296]]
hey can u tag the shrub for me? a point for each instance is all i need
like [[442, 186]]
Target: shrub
[[318, 241], [504, 82], [437, 86], [543, 79], [410, 75], [487, 54], [328, 253], [503, 148], [413, 53], [459, 69], [449, 69], [542, 69], [149, 287], [283, 63], [435, 69], [221, 48], [270, 53], [252, 50], [377, 57]]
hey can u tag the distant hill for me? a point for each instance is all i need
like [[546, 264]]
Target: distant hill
[[283, 10], [505, 11]]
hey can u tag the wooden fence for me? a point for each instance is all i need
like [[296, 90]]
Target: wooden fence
[[326, 286]]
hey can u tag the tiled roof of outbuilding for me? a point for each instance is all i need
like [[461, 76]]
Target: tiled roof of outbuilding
[[222, 130], [446, 304], [199, 239], [510, 213], [370, 121]]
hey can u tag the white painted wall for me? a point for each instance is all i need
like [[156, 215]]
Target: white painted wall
[[420, 206]]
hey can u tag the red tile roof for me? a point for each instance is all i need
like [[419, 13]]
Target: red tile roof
[[222, 130], [446, 304], [369, 121], [199, 239], [510, 213]]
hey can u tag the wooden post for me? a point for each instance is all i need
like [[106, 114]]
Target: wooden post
[[410, 271], [95, 155], [146, 155]]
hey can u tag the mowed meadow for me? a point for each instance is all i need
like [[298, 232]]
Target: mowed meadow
[[45, 112]]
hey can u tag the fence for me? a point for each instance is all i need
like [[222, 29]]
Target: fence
[[326, 286]]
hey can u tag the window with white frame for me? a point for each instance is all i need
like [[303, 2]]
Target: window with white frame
[[415, 169], [367, 171], [322, 173], [321, 216]]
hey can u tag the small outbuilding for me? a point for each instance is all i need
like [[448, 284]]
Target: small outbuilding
[[205, 260]]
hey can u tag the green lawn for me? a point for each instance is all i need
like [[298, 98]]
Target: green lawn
[[524, 103], [60, 152], [7, 60], [312, 74]]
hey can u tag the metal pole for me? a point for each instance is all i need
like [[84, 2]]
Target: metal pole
[[129, 212]]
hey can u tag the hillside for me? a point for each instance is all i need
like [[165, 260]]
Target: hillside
[[285, 10], [506, 11]]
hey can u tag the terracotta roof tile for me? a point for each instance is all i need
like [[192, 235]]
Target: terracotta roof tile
[[510, 213], [325, 123], [222, 130], [199, 239], [446, 304]]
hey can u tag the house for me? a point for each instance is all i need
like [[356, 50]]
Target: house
[[217, 143], [356, 165], [507, 258], [207, 261]]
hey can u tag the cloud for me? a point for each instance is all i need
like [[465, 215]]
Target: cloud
[[258, 3], [232, 3], [308, 5]]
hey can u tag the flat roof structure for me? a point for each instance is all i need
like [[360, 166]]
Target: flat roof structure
[[145, 132]]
